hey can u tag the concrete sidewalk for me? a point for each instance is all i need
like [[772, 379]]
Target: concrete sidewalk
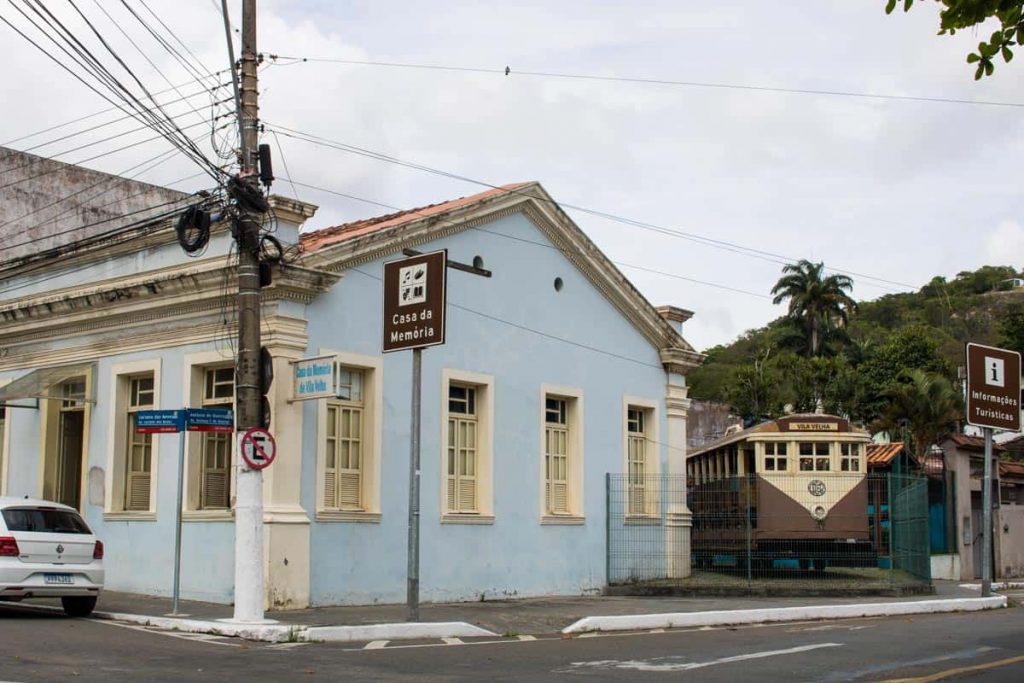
[[509, 618]]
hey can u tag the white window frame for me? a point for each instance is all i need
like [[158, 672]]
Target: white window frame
[[770, 451], [855, 452], [373, 412], [196, 365], [484, 385], [816, 457], [117, 432], [573, 396], [652, 453]]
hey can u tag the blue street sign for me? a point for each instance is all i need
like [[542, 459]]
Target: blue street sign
[[210, 420], [159, 421]]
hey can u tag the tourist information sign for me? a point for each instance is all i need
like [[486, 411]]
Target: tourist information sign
[[993, 387]]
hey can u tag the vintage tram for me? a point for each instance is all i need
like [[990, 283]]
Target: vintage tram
[[790, 492]]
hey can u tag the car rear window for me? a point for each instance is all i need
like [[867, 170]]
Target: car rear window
[[45, 520]]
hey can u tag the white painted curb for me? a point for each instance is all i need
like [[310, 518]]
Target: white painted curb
[[270, 633], [402, 631], [1009, 585], [641, 622]]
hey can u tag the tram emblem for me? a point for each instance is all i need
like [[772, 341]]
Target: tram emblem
[[816, 487]]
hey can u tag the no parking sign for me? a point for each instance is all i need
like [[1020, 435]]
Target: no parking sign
[[258, 448]]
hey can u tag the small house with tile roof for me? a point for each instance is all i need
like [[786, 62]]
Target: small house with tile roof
[[555, 371]]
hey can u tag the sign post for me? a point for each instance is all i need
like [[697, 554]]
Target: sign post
[[993, 402], [415, 300], [178, 422]]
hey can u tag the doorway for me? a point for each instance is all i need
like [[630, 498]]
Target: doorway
[[70, 442]]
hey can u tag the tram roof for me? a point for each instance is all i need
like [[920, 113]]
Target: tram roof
[[800, 423]]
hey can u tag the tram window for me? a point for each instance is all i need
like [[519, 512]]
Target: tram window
[[850, 457], [775, 457], [814, 457]]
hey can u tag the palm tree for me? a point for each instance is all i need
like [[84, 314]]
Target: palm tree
[[927, 404], [815, 301]]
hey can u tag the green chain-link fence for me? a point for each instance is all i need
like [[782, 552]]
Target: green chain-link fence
[[782, 533]]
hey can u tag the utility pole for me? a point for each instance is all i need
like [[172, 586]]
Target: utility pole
[[248, 196]]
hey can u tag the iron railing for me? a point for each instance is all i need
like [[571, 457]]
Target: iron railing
[[788, 532]]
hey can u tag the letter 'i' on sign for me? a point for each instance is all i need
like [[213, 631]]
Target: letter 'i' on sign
[[415, 296]]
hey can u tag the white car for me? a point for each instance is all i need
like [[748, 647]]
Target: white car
[[48, 551]]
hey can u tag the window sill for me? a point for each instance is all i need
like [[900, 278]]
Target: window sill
[[642, 520], [563, 520], [357, 516], [454, 518], [124, 516], [208, 516]]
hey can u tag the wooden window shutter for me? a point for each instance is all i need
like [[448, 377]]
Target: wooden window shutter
[[215, 489], [138, 491]]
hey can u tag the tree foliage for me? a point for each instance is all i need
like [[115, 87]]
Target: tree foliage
[[820, 303], [767, 371], [926, 404], [961, 14]]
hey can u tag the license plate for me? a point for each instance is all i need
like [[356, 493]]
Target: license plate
[[58, 578]]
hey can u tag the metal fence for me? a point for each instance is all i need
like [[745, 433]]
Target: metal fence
[[782, 532]]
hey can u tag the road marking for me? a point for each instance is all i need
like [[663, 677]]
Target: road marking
[[938, 676], [376, 644], [661, 665], [453, 641], [208, 638], [657, 630], [831, 627], [526, 638], [838, 676], [284, 646]]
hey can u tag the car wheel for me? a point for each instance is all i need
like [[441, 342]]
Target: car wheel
[[78, 606]]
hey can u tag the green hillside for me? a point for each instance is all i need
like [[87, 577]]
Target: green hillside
[[769, 369]]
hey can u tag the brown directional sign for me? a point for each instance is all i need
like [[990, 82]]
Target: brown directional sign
[[993, 387], [415, 295]]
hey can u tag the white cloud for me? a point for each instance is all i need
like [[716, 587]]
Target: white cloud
[[1005, 245], [858, 183]]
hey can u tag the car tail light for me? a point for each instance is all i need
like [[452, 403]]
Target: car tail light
[[97, 551], [8, 547]]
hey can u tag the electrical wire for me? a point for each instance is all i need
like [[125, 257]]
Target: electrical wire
[[99, 126], [67, 231], [509, 72], [92, 158], [54, 30], [693, 237], [156, 162], [525, 328], [565, 252]]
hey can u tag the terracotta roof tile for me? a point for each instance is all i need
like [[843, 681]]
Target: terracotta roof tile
[[973, 443], [318, 239], [1014, 470], [881, 454]]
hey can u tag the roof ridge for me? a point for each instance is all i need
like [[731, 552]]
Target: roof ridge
[[324, 237]]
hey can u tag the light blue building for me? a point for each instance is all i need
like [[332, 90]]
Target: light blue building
[[556, 371]]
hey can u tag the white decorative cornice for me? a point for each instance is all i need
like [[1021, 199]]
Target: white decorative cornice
[[184, 289]]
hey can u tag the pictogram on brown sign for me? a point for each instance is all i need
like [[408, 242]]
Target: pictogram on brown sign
[[993, 387], [415, 296]]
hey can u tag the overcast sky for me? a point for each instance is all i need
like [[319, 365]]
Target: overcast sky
[[898, 190]]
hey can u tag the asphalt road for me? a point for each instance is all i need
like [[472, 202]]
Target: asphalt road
[[970, 647]]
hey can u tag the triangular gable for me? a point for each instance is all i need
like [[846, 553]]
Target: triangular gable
[[352, 244]]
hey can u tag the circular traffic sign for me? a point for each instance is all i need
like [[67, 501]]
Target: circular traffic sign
[[258, 448]]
